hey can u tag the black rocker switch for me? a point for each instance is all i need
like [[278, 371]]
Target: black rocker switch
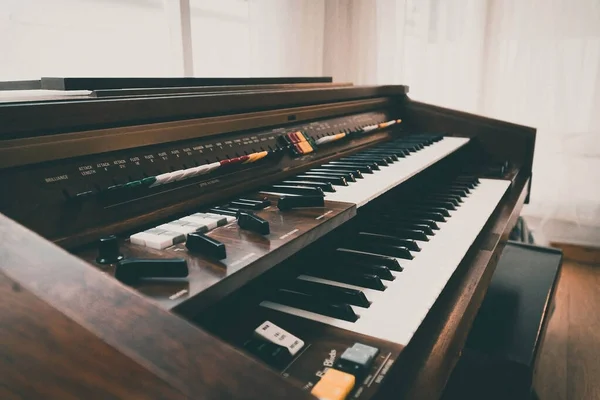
[[254, 223], [131, 270], [289, 202], [108, 250], [200, 243]]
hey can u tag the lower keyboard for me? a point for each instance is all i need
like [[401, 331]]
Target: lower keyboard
[[396, 308]]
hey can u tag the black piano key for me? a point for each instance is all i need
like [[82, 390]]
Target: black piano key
[[243, 204], [407, 221], [388, 158], [449, 199], [410, 147], [263, 203], [416, 226], [471, 180], [347, 176], [463, 191], [363, 168], [460, 185], [405, 233], [374, 166], [394, 157], [456, 192], [334, 294], [324, 186], [367, 281], [467, 183], [391, 223], [383, 249], [356, 173], [388, 239], [368, 257], [380, 271], [334, 180], [400, 153], [414, 213], [437, 203], [380, 162], [296, 189], [427, 208], [223, 211], [314, 304]]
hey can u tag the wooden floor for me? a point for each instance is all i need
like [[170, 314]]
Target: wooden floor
[[569, 364]]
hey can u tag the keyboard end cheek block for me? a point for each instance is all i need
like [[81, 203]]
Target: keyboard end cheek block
[[132, 270], [290, 202]]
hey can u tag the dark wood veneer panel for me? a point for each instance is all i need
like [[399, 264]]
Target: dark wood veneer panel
[[249, 254], [45, 355], [68, 116]]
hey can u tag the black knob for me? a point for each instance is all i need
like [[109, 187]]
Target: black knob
[[200, 243], [108, 250], [133, 269], [254, 223]]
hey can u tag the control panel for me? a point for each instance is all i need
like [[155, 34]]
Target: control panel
[[172, 172], [328, 362]]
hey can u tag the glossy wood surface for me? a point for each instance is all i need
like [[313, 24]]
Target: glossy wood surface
[[190, 360], [46, 355], [499, 140], [249, 255]]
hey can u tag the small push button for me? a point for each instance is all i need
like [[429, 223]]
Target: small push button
[[334, 385], [354, 362], [357, 360]]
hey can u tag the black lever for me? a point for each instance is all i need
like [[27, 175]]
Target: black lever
[[289, 202], [198, 242], [254, 223], [299, 189], [131, 270]]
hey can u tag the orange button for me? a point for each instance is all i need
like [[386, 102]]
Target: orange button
[[334, 385], [306, 147]]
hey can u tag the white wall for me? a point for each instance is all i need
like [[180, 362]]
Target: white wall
[[533, 62], [84, 38]]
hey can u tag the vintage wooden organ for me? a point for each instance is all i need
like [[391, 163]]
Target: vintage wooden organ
[[246, 239]]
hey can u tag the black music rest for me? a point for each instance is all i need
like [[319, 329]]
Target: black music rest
[[500, 357]]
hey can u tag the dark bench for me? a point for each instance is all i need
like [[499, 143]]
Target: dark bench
[[500, 356]]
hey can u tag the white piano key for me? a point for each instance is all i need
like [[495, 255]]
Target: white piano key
[[157, 241], [208, 222], [183, 229], [216, 216], [396, 313]]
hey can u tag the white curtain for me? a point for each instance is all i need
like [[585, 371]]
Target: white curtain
[[533, 62]]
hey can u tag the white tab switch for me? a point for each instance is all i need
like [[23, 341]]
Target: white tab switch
[[270, 332]]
